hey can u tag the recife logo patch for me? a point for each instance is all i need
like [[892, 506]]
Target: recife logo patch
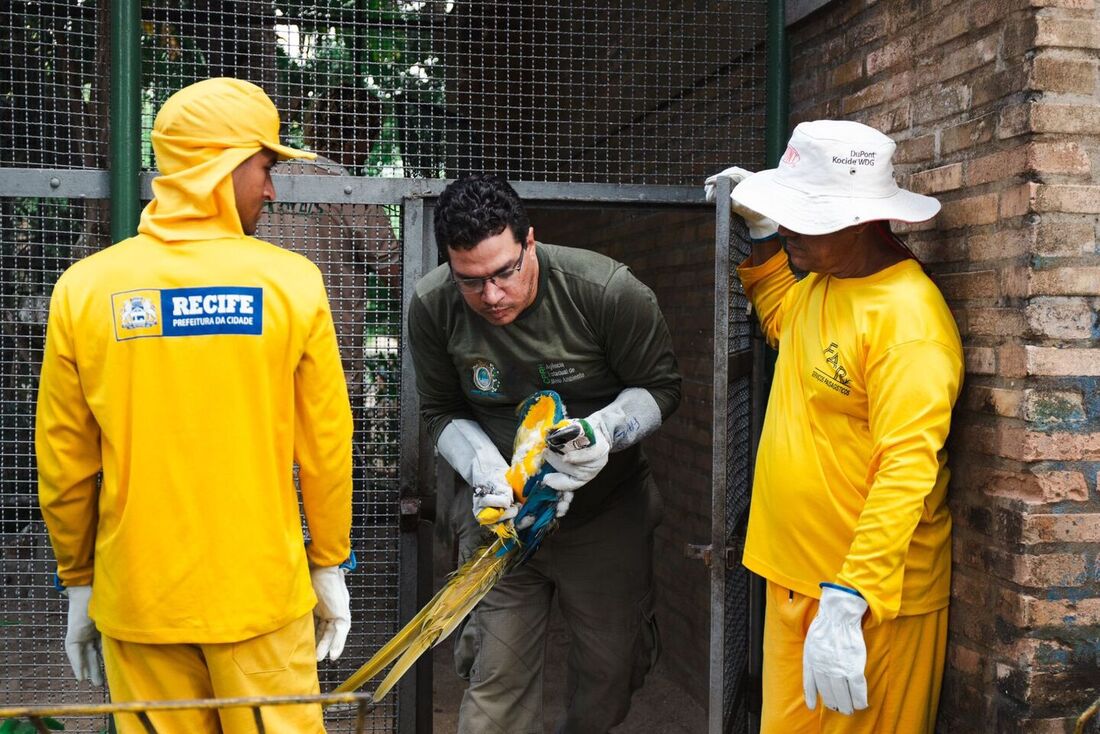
[[188, 312]]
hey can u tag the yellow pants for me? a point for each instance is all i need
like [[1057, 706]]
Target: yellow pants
[[279, 663], [905, 659]]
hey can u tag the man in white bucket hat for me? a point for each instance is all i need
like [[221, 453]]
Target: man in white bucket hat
[[849, 522]]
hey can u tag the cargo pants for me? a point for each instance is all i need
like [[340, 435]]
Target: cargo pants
[[601, 572]]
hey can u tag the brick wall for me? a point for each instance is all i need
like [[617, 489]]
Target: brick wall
[[995, 108], [672, 252]]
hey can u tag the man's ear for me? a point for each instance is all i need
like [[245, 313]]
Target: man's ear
[[530, 236]]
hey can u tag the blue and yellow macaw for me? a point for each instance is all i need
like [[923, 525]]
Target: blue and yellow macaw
[[516, 541]]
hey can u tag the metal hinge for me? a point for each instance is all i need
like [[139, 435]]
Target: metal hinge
[[410, 513], [705, 553]]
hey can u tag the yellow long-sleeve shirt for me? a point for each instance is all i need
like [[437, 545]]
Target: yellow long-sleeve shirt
[[193, 373], [851, 475]]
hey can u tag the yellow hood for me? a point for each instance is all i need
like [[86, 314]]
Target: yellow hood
[[201, 134]]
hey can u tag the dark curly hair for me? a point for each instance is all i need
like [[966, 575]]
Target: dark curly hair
[[477, 206]]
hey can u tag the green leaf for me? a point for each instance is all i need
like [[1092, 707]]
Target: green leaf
[[53, 724]]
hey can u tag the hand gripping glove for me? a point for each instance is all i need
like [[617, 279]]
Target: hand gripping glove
[[628, 419], [760, 227], [333, 610], [473, 455], [835, 655], [82, 638]]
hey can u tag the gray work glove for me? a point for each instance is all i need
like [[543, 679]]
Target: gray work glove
[[834, 655], [760, 227], [632, 416], [466, 447], [82, 641]]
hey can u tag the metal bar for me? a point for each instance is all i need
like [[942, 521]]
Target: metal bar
[[258, 718], [133, 707], [90, 184], [718, 459], [125, 114], [54, 183], [414, 254], [776, 118]]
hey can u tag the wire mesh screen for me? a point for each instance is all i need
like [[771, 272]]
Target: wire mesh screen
[[359, 254], [738, 476], [645, 92], [565, 90], [53, 62], [39, 238]]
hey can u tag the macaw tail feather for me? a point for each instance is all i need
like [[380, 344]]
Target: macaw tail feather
[[439, 617]]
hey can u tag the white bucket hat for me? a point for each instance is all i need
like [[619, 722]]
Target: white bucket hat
[[834, 174]]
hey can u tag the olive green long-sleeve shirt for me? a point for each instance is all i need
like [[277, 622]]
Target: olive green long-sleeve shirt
[[592, 331]]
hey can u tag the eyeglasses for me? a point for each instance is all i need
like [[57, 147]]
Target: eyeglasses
[[499, 279]]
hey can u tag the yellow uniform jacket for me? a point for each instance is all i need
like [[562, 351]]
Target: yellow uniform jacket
[[851, 475], [193, 374]]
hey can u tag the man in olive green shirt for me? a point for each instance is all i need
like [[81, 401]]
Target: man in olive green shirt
[[508, 316]]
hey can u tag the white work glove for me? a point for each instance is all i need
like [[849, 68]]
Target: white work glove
[[632, 416], [835, 655], [82, 641], [760, 227], [466, 447], [333, 610]]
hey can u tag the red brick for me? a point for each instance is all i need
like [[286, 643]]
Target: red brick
[[898, 51], [942, 101], [967, 134], [1070, 4], [1000, 166], [999, 401], [980, 360], [1068, 198], [1053, 406], [915, 150], [1066, 32], [1057, 446], [941, 68], [967, 212], [1012, 441], [1004, 243], [975, 284], [1019, 200], [1064, 118], [1059, 157], [937, 180], [1060, 318], [1063, 361], [1011, 360], [1072, 237], [888, 118], [846, 73], [1052, 72], [1027, 611], [966, 660], [1083, 280], [950, 25], [998, 85], [1013, 121], [1082, 528], [996, 322]]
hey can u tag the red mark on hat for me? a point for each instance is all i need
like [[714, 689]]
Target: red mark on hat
[[791, 157]]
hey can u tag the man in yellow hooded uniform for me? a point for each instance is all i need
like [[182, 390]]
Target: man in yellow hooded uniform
[[192, 365]]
